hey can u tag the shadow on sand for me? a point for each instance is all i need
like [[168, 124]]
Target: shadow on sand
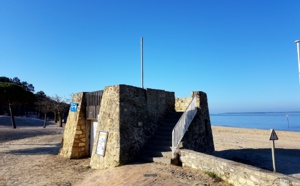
[[53, 150], [287, 160], [5, 121], [26, 128]]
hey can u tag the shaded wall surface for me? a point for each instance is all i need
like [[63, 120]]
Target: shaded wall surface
[[199, 135], [130, 115]]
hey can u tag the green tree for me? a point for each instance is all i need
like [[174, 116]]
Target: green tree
[[13, 94]]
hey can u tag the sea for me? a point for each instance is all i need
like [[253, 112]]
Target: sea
[[286, 121]]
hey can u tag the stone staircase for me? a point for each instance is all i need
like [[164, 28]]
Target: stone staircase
[[159, 147]]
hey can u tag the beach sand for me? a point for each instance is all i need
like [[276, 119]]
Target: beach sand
[[28, 156], [253, 147]]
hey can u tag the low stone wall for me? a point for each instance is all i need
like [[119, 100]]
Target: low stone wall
[[235, 173], [130, 115]]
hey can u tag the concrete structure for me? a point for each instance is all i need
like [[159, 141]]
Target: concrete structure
[[130, 116]]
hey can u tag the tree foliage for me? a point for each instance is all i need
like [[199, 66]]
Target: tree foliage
[[16, 80], [13, 94]]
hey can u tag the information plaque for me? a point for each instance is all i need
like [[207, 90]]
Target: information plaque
[[73, 107], [101, 143]]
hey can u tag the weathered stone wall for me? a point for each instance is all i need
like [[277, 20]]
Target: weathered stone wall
[[235, 173], [182, 103], [199, 135], [76, 140], [130, 115], [109, 119]]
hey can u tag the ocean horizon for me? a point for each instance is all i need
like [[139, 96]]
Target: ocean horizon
[[286, 121]]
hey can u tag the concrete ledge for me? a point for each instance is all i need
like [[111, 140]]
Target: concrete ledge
[[234, 172]]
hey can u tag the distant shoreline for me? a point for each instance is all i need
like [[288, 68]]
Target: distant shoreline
[[249, 113], [246, 128]]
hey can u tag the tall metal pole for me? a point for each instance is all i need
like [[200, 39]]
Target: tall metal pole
[[142, 63], [298, 51]]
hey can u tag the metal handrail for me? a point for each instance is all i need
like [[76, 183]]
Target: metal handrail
[[183, 124]]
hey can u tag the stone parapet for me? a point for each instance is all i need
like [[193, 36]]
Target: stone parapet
[[182, 103], [235, 173]]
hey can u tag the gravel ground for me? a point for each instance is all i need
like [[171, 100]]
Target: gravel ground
[[28, 156]]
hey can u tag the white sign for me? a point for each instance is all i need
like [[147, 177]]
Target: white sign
[[273, 135], [101, 143]]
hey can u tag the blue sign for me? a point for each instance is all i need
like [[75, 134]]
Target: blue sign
[[73, 107]]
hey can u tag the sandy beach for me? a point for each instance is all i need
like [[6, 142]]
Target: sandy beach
[[28, 156], [253, 147]]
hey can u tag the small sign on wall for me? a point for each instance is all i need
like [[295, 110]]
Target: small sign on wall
[[101, 143], [73, 107]]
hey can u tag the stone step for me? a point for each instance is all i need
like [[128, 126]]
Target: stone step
[[163, 133], [163, 137], [166, 126], [158, 147], [163, 160], [153, 153], [171, 120], [161, 142]]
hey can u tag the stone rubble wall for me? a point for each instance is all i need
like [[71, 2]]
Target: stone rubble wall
[[75, 140], [109, 119], [235, 173], [182, 103], [130, 115]]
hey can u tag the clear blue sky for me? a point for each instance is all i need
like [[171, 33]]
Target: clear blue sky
[[241, 53]]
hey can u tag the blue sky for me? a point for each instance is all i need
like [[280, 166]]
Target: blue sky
[[241, 53]]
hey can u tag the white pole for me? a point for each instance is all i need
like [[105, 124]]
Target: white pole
[[273, 156], [298, 51], [142, 63]]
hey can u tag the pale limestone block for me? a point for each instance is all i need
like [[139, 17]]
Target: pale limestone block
[[78, 132]]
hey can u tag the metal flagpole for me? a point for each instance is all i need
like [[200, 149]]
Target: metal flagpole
[[298, 51], [142, 63]]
